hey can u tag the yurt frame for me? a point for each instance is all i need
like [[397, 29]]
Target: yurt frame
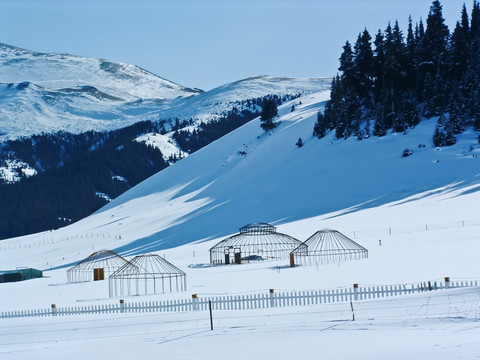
[[256, 241], [97, 266], [147, 274], [327, 246]]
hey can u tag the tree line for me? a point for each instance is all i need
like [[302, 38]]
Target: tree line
[[397, 80]]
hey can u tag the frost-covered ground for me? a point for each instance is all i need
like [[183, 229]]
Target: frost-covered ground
[[423, 208]]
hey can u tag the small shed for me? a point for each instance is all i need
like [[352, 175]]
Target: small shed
[[19, 275], [327, 246], [98, 266], [147, 274], [256, 241]]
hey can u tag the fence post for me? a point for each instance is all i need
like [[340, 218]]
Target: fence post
[[447, 282], [54, 309], [355, 292], [195, 302], [122, 305], [272, 298], [211, 317]]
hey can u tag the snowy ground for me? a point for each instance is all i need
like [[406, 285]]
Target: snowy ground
[[440, 324], [433, 327]]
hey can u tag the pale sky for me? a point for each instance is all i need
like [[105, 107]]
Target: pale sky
[[208, 43]]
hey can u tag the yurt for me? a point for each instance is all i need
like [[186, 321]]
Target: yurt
[[254, 242], [147, 274], [327, 246]]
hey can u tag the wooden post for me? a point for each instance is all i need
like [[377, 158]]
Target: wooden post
[[272, 298], [54, 309], [122, 305], [211, 318], [292, 260], [355, 292], [195, 302], [447, 282]]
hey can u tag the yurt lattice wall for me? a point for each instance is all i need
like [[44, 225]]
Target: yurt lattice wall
[[327, 246], [256, 241], [98, 266], [147, 274]]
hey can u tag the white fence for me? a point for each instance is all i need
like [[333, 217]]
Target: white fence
[[250, 301]]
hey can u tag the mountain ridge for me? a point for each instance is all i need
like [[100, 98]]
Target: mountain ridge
[[45, 93]]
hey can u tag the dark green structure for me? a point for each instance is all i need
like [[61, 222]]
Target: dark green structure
[[19, 275]]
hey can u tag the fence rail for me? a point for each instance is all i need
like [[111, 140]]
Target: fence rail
[[249, 301]]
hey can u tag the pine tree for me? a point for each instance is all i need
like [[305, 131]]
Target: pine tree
[[269, 111], [335, 109], [438, 137], [363, 68], [434, 42], [433, 53], [378, 65], [321, 126]]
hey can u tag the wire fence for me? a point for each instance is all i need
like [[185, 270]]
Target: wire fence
[[397, 230], [356, 234], [249, 301], [45, 241]]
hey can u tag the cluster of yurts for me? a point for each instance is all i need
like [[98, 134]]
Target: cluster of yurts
[[152, 274]]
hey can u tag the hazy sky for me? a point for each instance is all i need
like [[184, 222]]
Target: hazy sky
[[208, 43]]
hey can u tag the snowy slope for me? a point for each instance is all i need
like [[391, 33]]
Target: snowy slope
[[422, 207], [61, 71]]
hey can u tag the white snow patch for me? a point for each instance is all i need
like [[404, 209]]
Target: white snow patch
[[10, 172], [164, 143]]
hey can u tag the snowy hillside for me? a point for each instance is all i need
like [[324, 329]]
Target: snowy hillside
[[52, 92], [250, 176], [421, 207], [64, 71]]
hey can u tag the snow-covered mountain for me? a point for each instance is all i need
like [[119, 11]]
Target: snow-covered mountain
[[64, 71], [51, 92]]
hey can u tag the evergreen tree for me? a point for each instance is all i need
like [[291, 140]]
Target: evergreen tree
[[269, 111], [434, 46], [434, 42], [321, 126], [335, 110], [351, 102], [378, 66], [363, 68]]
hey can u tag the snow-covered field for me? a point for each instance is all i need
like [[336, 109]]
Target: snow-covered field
[[441, 324], [423, 208]]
